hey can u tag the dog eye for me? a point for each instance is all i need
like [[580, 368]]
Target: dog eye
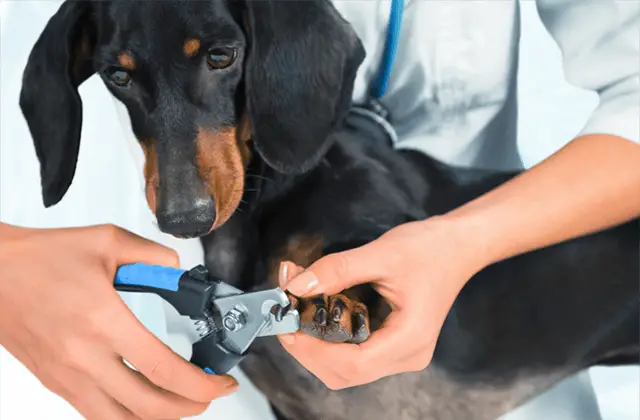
[[118, 76], [221, 57]]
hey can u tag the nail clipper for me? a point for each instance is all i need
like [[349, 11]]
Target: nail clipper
[[226, 320]]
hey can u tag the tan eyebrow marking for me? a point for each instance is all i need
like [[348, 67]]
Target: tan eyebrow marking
[[127, 61], [191, 47]]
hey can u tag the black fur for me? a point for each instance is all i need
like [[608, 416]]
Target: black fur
[[517, 328], [50, 100], [304, 57]]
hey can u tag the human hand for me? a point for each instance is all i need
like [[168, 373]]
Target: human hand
[[419, 268], [61, 316]]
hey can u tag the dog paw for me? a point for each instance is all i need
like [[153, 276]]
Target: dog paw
[[335, 318]]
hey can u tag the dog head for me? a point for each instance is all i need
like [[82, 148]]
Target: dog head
[[205, 83]]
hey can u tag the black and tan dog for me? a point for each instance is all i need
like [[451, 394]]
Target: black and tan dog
[[242, 109]]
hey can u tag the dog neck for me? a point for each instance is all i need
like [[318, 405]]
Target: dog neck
[[264, 186]]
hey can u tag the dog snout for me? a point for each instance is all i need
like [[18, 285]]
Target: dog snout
[[187, 219], [184, 205]]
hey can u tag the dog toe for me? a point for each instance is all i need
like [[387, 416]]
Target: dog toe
[[334, 318]]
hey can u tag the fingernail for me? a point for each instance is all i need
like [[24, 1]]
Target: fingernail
[[288, 271], [288, 338], [232, 384], [284, 273], [306, 283]]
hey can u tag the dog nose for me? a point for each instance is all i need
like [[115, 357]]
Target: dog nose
[[188, 220]]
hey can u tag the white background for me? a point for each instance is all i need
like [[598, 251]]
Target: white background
[[107, 189]]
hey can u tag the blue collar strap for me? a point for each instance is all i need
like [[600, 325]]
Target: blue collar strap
[[380, 84]]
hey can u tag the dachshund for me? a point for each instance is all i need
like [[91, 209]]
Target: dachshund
[[253, 144]]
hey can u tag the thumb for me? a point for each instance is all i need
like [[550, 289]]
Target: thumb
[[128, 248], [336, 272]]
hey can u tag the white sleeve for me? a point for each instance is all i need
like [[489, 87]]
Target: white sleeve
[[600, 44]]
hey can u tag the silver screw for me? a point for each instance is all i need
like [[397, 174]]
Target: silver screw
[[233, 320]]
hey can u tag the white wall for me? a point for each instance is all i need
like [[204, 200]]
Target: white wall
[[112, 192]]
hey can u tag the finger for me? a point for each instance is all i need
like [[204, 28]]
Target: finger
[[133, 391], [338, 366], [336, 272], [164, 368], [94, 404], [344, 365], [394, 339], [288, 271], [128, 248], [322, 359], [395, 345], [84, 395]]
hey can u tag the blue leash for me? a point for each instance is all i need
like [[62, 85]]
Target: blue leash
[[380, 84]]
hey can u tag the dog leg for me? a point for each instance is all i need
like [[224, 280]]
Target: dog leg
[[277, 413], [230, 252]]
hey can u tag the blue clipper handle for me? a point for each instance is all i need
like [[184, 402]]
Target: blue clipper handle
[[190, 292], [149, 276]]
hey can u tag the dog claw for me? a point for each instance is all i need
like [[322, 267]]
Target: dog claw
[[321, 317], [359, 322], [336, 313]]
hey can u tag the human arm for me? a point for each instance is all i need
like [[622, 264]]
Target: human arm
[[62, 318], [600, 183], [594, 181], [590, 184]]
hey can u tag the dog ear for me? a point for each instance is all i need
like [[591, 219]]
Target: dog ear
[[299, 75], [61, 60]]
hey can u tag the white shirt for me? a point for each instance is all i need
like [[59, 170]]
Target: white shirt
[[453, 89], [453, 94]]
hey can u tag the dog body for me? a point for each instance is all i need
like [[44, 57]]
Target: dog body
[[517, 328], [243, 111]]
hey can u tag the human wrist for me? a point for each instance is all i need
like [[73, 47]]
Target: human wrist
[[474, 237]]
